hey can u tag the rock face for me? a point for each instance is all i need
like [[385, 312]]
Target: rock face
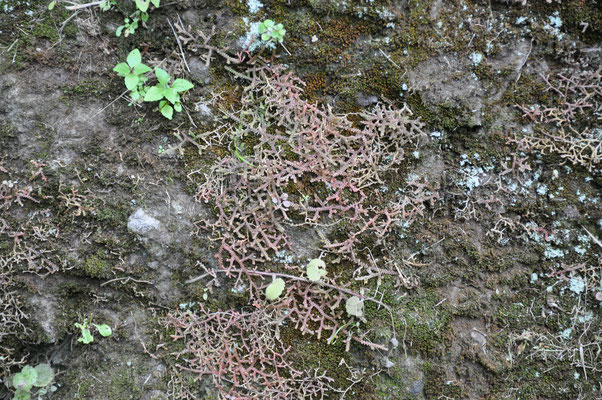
[[142, 223]]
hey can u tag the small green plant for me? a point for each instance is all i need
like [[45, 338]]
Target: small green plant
[[130, 24], [40, 377], [271, 31], [167, 95], [133, 71], [86, 336]]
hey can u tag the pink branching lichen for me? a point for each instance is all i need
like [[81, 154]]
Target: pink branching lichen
[[243, 354], [557, 126], [326, 165]]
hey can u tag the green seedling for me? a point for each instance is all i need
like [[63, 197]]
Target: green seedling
[[167, 95], [133, 72], [271, 31], [86, 336], [29, 377], [130, 24]]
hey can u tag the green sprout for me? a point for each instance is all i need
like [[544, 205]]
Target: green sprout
[[29, 377], [171, 93], [133, 73], [271, 31], [141, 14], [86, 336]]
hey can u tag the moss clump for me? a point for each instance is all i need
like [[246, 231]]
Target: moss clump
[[123, 384], [96, 266]]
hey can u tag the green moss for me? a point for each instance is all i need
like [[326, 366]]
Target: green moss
[[124, 384], [86, 88], [96, 266], [423, 325], [307, 352], [436, 385]]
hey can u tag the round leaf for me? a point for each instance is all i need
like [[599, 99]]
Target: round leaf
[[265, 37], [274, 289], [51, 5], [268, 23], [104, 329], [45, 375], [122, 69], [355, 306], [22, 395], [25, 379], [315, 270], [178, 107], [261, 28], [162, 75], [134, 58]]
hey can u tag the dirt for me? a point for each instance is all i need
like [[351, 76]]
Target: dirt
[[491, 290]]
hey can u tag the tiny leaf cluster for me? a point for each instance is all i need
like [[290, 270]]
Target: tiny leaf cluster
[[86, 336], [131, 22], [167, 94], [133, 71], [271, 31], [40, 376]]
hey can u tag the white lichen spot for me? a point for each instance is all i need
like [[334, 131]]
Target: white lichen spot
[[254, 6], [577, 285]]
